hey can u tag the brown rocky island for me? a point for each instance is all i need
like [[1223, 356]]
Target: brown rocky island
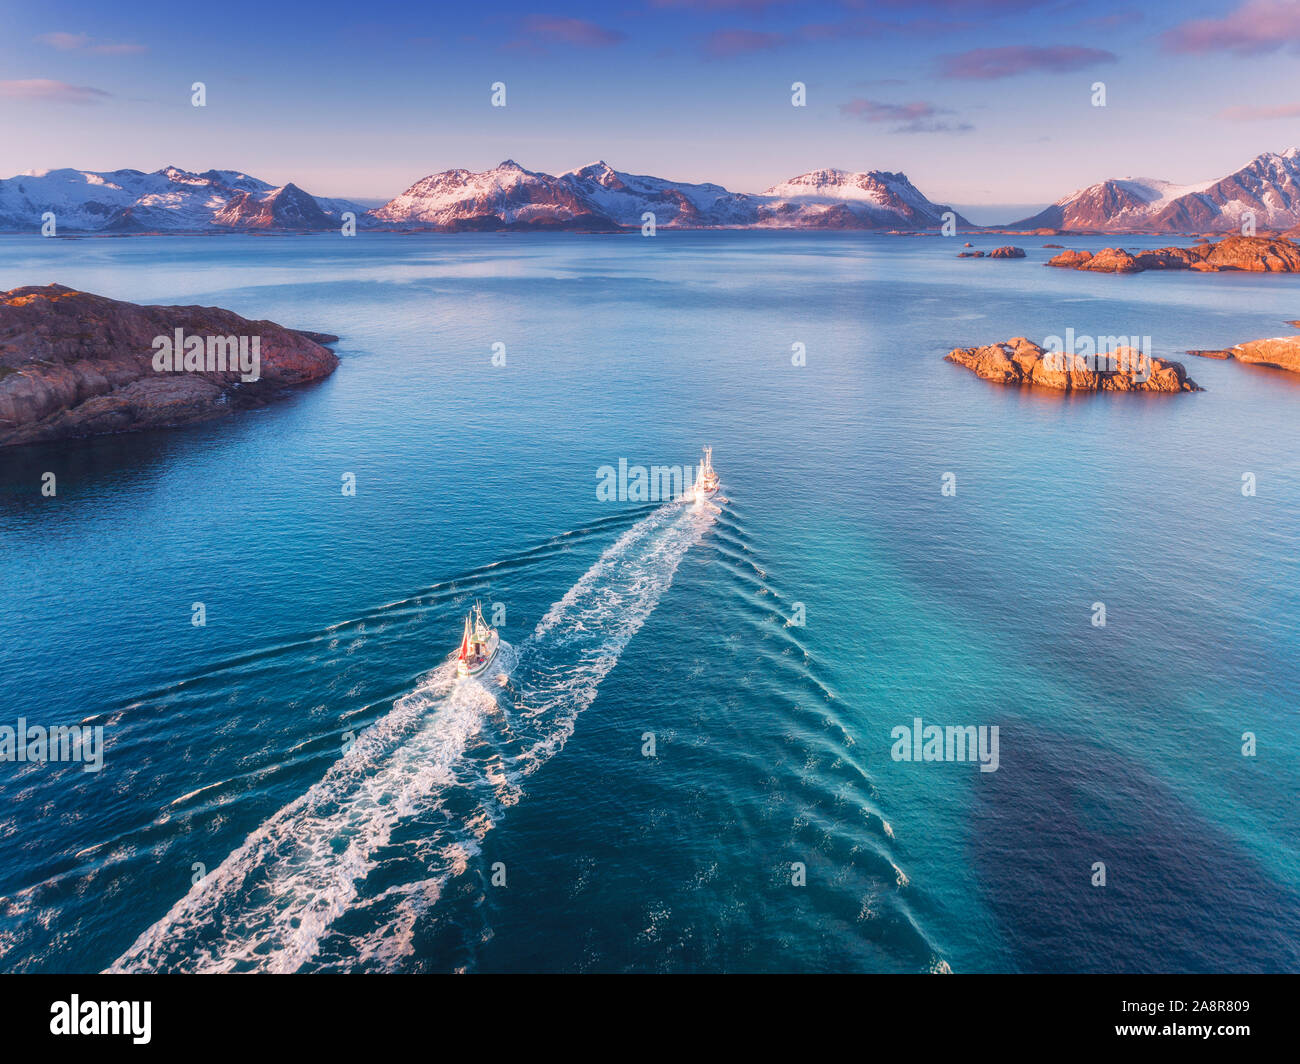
[[1007, 252], [1248, 254], [1279, 352], [74, 364], [1022, 362]]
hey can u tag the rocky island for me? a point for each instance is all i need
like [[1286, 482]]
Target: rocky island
[[1007, 252], [1022, 362], [1251, 254], [75, 364], [1280, 352]]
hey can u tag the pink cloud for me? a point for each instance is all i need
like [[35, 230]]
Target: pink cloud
[[742, 41], [65, 42], [550, 29], [51, 91], [974, 6], [1113, 22], [1257, 26], [111, 48], [915, 117], [988, 63], [876, 111], [1252, 114], [721, 5], [83, 42], [739, 42]]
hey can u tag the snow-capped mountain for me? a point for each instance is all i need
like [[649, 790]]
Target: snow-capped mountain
[[838, 199], [167, 200], [675, 204], [598, 196], [1268, 188], [594, 197], [506, 197]]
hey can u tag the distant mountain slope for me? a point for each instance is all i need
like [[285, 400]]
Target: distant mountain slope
[[594, 197], [838, 199], [507, 196], [168, 200], [1267, 188], [598, 196], [626, 197]]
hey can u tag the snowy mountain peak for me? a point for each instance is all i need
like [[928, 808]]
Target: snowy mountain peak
[[1264, 192], [813, 179], [597, 195], [598, 170], [168, 200], [507, 196], [858, 199], [1289, 155]]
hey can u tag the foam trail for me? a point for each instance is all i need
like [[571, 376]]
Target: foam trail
[[268, 903], [572, 649], [271, 903], [581, 637]]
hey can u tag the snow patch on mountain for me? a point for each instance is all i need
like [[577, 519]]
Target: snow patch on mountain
[[169, 200], [506, 196], [597, 194], [875, 198], [1265, 191], [1157, 193], [626, 198]]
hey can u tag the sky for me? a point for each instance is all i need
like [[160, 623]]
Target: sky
[[978, 101]]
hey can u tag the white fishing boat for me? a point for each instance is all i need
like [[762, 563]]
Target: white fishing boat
[[478, 646], [706, 480]]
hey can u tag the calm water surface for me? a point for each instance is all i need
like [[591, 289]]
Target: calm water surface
[[229, 829]]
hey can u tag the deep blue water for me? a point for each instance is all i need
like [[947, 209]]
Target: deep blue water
[[328, 616]]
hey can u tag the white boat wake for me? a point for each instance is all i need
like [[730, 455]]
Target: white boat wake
[[276, 902]]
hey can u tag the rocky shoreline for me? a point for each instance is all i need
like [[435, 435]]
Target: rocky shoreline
[[73, 364], [1279, 352], [1021, 362], [1249, 254], [1006, 252]]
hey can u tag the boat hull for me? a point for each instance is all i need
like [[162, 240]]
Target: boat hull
[[476, 666]]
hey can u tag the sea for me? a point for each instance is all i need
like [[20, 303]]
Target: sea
[[695, 750]]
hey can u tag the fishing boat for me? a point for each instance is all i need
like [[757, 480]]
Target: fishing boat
[[706, 480], [478, 646]]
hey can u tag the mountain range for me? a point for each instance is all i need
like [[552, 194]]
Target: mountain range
[[595, 197], [598, 197], [1267, 188], [168, 200]]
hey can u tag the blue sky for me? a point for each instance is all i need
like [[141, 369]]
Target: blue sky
[[978, 101]]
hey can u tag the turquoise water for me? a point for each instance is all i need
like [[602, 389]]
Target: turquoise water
[[328, 617]]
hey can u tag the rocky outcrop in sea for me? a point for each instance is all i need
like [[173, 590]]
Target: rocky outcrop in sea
[[1022, 362], [76, 364], [1251, 254]]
